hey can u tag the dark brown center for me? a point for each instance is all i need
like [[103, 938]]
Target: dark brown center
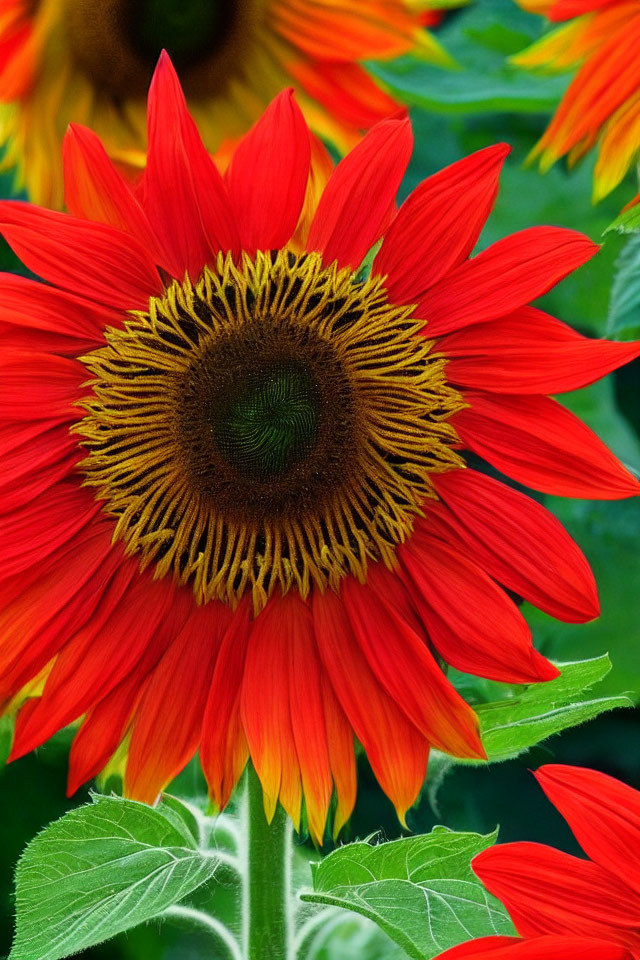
[[266, 421], [117, 42]]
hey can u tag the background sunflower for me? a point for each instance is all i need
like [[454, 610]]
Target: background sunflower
[[91, 61]]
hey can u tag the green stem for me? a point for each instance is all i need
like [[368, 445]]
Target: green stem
[[268, 883]]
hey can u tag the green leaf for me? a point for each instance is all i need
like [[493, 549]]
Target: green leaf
[[102, 869], [478, 38], [182, 815], [6, 738], [626, 222], [511, 726], [624, 306], [470, 89], [421, 891]]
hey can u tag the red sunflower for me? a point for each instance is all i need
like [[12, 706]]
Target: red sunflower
[[536, 948], [561, 905], [236, 510]]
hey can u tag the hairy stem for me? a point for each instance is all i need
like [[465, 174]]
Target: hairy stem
[[268, 881]]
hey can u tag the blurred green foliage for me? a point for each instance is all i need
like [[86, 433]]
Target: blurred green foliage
[[483, 101], [480, 38]]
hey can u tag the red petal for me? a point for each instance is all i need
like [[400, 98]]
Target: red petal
[[168, 719], [549, 892], [438, 226], [95, 190], [223, 749], [396, 750], [100, 262], [40, 386], [18, 51], [14, 435], [77, 324], [308, 719], [354, 207], [265, 710], [341, 756], [100, 655], [268, 175], [530, 352], [603, 813], [393, 591], [105, 723], [482, 947], [17, 339], [184, 195], [541, 444], [30, 469], [536, 948], [406, 669], [568, 9], [344, 32], [46, 525], [42, 608], [505, 276], [519, 543], [101, 732], [472, 623], [350, 94]]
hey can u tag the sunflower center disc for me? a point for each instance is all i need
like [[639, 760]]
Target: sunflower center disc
[[269, 423], [273, 426]]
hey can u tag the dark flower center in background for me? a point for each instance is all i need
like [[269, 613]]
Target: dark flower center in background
[[117, 42], [273, 425], [190, 30]]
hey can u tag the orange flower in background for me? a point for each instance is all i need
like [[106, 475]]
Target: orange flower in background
[[236, 509], [592, 907], [599, 39], [90, 61]]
